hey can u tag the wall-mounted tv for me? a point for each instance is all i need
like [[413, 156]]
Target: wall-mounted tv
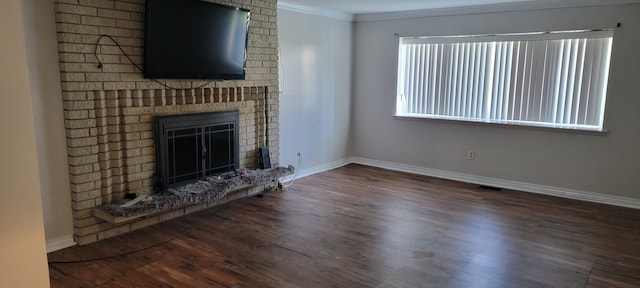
[[194, 39]]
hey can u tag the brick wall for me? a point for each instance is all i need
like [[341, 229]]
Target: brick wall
[[109, 111]]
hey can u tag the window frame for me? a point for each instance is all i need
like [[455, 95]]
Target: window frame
[[606, 34]]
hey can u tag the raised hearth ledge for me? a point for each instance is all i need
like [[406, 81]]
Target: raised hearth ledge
[[203, 191]]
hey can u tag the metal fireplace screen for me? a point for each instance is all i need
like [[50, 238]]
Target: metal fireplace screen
[[194, 146]]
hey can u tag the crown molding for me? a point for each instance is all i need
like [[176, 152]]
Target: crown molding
[[318, 11], [483, 9]]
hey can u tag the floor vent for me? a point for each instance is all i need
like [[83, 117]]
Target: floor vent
[[485, 187]]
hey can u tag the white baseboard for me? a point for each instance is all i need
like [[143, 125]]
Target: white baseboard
[[68, 241], [316, 169], [60, 243], [520, 186]]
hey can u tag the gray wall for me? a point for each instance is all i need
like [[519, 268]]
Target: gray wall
[[23, 261], [606, 164], [315, 79], [46, 97], [316, 104]]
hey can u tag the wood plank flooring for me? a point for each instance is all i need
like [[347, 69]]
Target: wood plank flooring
[[359, 226]]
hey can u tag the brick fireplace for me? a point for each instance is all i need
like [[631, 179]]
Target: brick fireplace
[[109, 111]]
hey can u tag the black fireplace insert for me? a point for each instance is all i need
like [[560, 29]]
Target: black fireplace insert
[[190, 147]]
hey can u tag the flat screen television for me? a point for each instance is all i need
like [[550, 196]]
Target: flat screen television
[[194, 39]]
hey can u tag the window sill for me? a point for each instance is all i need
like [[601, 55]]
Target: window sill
[[455, 120]]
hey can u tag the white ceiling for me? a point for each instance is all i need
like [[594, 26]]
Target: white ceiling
[[356, 7]]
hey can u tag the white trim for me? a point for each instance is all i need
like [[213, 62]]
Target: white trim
[[316, 169], [483, 9], [480, 180], [520, 186], [318, 11], [60, 243]]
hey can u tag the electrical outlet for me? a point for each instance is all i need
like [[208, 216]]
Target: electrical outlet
[[471, 155]]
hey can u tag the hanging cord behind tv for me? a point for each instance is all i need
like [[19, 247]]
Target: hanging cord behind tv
[[100, 65]]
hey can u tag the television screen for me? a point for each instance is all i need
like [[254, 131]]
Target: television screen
[[193, 39]]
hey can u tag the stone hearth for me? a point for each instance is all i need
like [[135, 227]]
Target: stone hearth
[[211, 189]]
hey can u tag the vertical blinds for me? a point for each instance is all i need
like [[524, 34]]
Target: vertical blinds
[[549, 79]]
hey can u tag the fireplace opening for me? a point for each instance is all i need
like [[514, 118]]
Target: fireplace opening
[[190, 147]]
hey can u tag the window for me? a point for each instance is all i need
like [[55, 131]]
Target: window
[[552, 79]]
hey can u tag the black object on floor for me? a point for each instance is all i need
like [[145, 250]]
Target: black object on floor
[[264, 161]]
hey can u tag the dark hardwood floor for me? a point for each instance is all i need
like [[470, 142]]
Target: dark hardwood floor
[[358, 226]]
